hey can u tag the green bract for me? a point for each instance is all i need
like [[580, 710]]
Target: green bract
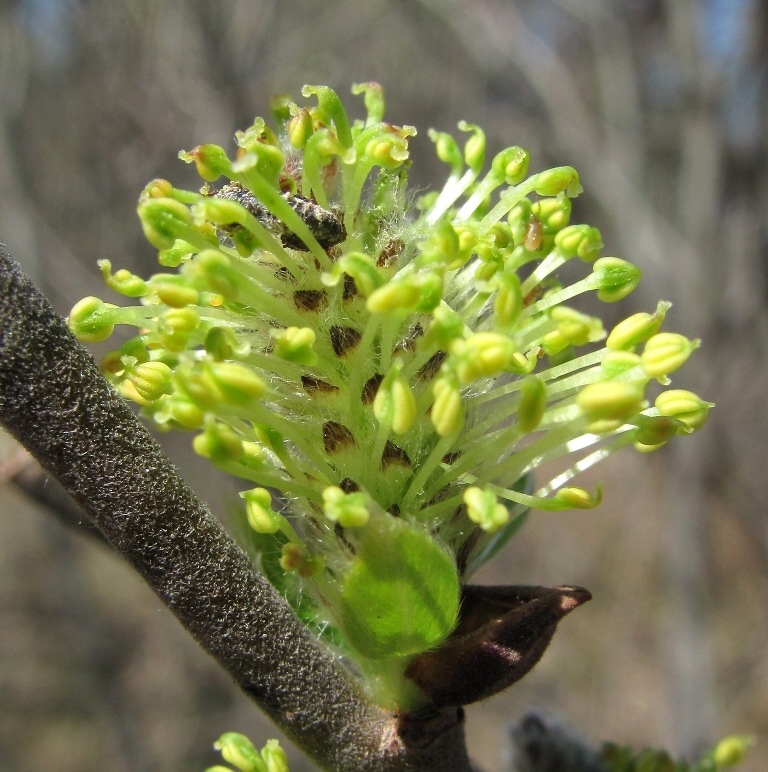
[[386, 370]]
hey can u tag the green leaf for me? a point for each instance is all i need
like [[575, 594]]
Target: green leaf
[[401, 596]]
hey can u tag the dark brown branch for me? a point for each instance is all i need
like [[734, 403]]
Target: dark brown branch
[[53, 399]]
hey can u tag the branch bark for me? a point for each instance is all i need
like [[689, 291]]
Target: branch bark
[[55, 402]]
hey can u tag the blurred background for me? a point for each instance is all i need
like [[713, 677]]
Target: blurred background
[[662, 106]]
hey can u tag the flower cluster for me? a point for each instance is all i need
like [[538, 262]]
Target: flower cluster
[[387, 370]]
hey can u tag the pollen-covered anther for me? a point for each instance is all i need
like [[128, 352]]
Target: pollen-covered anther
[[685, 406], [344, 339], [336, 437], [665, 352]]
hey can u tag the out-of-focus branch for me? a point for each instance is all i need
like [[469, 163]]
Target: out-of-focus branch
[[53, 399]]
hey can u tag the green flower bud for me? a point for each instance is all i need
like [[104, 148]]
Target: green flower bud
[[484, 509], [580, 241], [577, 329], [238, 384], [175, 294], [210, 161], [511, 165], [636, 329], [258, 508], [447, 415], [533, 403], [561, 179], [474, 147], [730, 751], [665, 352], [219, 443], [295, 344], [92, 320], [300, 129], [184, 412], [616, 363], [175, 326], [220, 343], [274, 757], [447, 150], [164, 220], [617, 278], [578, 498], [151, 380], [122, 281], [481, 355], [393, 296], [653, 431], [349, 510], [238, 750], [552, 213], [685, 406], [519, 218], [445, 327], [610, 400]]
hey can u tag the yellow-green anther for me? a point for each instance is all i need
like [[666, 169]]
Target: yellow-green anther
[[238, 750], [388, 150], [511, 165], [447, 150], [151, 379], [636, 329], [219, 443], [175, 255], [300, 128], [533, 403], [731, 750], [394, 404], [561, 179], [578, 498], [481, 355], [122, 281], [185, 412], [393, 296], [483, 508], [446, 415], [445, 327], [211, 161], [508, 302], [363, 271], [164, 220], [616, 363], [92, 320], [610, 400], [175, 326], [616, 277], [258, 508], [553, 213], [474, 147], [576, 328], [295, 344], [175, 295], [654, 431], [274, 757], [665, 352], [221, 343], [218, 272], [582, 241], [685, 406], [238, 384], [349, 510]]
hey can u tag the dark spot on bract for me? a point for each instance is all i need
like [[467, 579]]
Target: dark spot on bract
[[394, 510], [394, 455], [348, 485], [431, 368], [314, 385], [310, 300], [370, 388], [344, 339], [350, 290], [392, 250], [336, 437]]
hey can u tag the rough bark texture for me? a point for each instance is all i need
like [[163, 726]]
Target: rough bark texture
[[55, 402]]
